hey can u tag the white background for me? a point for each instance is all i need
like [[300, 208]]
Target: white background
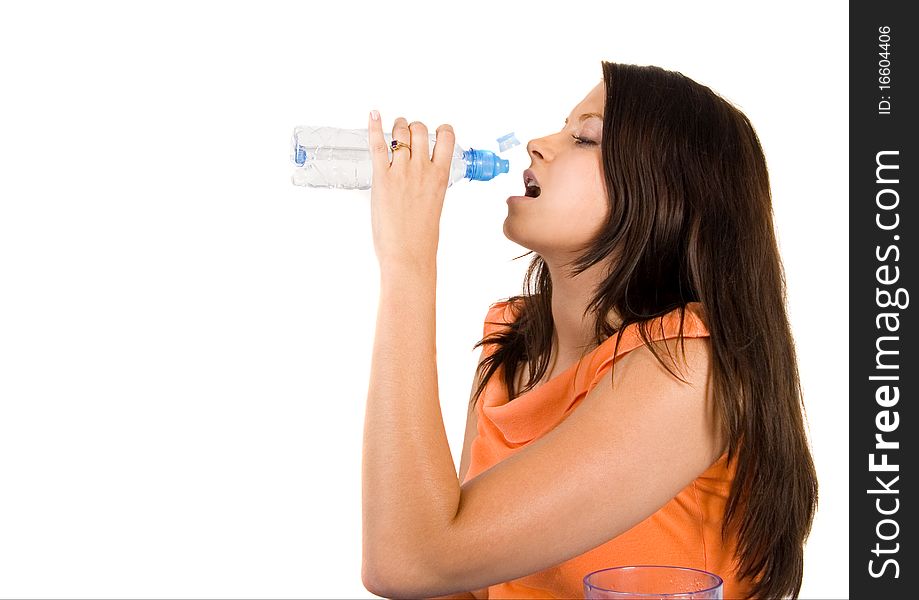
[[185, 336]]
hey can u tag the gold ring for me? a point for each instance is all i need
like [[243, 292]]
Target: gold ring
[[397, 144]]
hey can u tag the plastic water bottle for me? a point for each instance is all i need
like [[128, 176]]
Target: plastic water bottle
[[340, 158]]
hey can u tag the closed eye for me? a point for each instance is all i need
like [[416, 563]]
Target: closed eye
[[582, 142]]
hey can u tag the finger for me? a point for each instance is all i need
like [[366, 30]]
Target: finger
[[420, 143], [443, 147], [401, 132], [376, 141]]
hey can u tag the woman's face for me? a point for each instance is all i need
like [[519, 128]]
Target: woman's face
[[572, 204]]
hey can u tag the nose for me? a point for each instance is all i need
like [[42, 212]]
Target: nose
[[537, 148]]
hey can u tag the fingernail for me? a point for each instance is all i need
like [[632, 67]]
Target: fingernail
[[374, 115]]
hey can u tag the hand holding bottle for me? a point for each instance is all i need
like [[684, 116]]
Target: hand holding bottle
[[407, 194]]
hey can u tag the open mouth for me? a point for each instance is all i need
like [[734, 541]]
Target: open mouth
[[531, 185]]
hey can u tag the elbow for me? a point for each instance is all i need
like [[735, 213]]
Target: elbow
[[372, 582], [395, 577], [380, 573], [388, 576], [389, 586], [392, 581]]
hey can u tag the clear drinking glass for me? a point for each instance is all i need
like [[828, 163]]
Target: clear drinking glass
[[652, 581]]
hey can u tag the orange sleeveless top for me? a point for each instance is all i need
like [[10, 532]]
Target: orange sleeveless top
[[685, 532]]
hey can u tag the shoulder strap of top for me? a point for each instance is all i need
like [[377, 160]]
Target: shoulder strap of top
[[661, 328], [499, 315]]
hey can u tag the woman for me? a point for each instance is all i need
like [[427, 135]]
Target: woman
[[639, 403]]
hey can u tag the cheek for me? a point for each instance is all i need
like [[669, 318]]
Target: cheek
[[571, 215], [587, 203], [590, 211], [599, 200], [573, 219], [589, 214], [580, 186]]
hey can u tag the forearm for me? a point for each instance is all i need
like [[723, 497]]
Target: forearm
[[410, 490]]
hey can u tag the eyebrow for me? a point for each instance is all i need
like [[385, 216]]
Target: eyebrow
[[586, 115]]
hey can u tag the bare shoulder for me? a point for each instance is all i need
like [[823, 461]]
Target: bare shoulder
[[691, 360]]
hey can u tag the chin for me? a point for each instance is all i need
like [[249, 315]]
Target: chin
[[552, 242], [514, 236], [524, 241]]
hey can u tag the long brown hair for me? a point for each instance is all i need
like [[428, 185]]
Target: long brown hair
[[690, 220]]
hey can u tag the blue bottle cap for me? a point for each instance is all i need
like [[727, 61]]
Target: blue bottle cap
[[483, 165]]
